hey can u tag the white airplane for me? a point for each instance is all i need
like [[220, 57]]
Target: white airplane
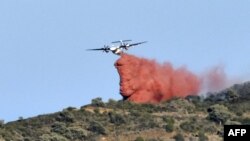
[[117, 49]]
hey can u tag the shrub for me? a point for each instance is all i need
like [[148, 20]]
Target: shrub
[[1, 123], [180, 105], [202, 136], [97, 127], [209, 127], [168, 119], [151, 124], [179, 137], [126, 105], [139, 139], [65, 117], [154, 139], [149, 108], [229, 122], [232, 95], [59, 127], [52, 137], [97, 102], [170, 123], [245, 121], [169, 127], [189, 126], [20, 118], [194, 99], [75, 133], [70, 109], [112, 103], [97, 110], [240, 107], [117, 119], [219, 113], [72, 133], [24, 139], [147, 121]]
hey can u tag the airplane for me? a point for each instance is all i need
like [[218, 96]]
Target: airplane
[[117, 49]]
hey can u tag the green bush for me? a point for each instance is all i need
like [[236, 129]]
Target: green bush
[[202, 136], [169, 127], [219, 113], [139, 139], [245, 121], [116, 118], [180, 105], [97, 127], [168, 120], [97, 102], [189, 126], [240, 107], [151, 124], [75, 133], [232, 95], [209, 127], [65, 117], [59, 127], [24, 139], [112, 103], [72, 133], [97, 110], [179, 137], [1, 123], [70, 109], [146, 121], [52, 137], [229, 122]]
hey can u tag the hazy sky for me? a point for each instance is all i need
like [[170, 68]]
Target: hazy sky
[[45, 68]]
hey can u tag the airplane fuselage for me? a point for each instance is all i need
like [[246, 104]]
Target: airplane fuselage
[[116, 50]]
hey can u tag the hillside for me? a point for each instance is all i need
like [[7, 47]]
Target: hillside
[[192, 118]]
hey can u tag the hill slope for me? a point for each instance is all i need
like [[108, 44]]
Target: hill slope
[[190, 118]]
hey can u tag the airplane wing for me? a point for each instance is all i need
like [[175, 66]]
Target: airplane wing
[[135, 44], [97, 49]]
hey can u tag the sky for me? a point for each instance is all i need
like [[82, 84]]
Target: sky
[[45, 66]]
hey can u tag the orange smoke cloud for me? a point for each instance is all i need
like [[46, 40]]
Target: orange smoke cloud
[[146, 81]]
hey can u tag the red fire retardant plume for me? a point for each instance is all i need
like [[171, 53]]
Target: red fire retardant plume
[[215, 79], [145, 81]]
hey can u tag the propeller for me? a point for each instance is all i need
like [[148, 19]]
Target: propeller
[[106, 48]]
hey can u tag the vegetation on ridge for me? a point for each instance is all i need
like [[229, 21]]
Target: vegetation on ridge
[[193, 118]]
